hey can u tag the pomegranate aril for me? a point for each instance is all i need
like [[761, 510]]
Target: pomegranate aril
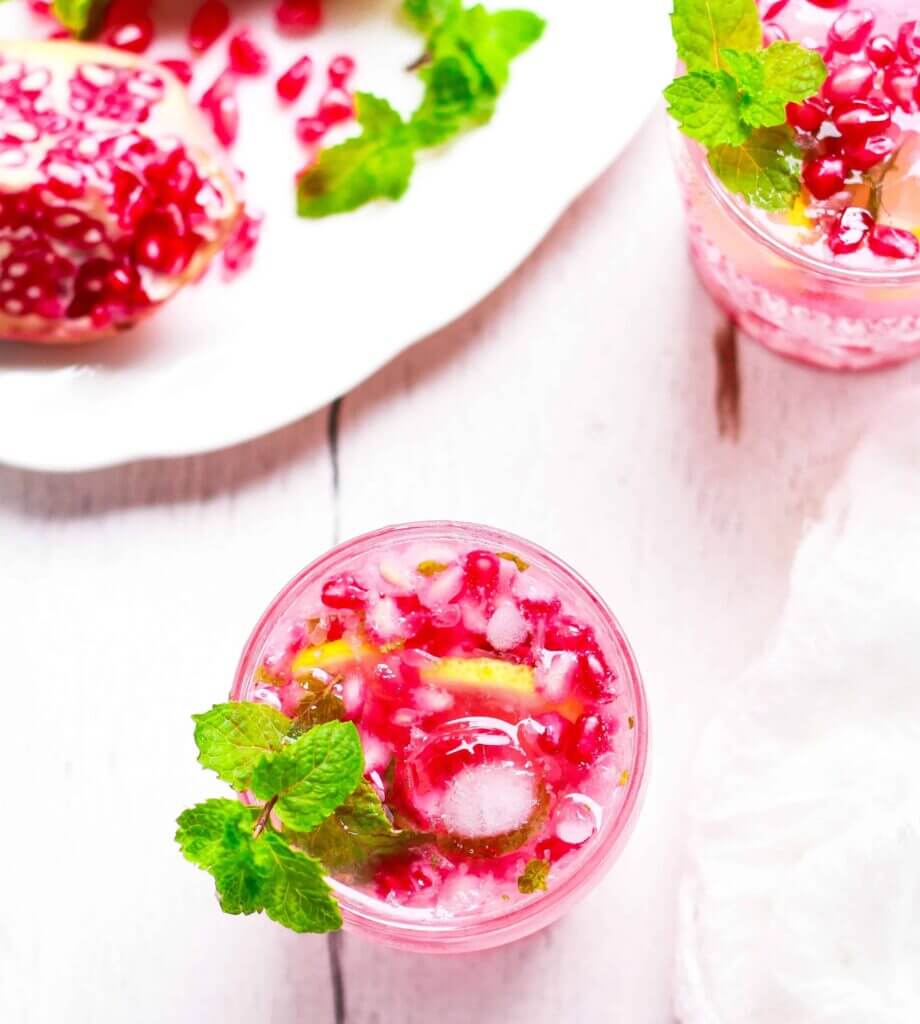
[[824, 176], [588, 739], [41, 7], [298, 15], [481, 570], [208, 23], [828, 4], [237, 254], [861, 118], [555, 734], [900, 85], [909, 42], [895, 243], [225, 119], [850, 31], [340, 69], [161, 244], [293, 82], [135, 36], [335, 107], [245, 54], [180, 68], [850, 231], [848, 82], [864, 154], [552, 849], [881, 50], [806, 117], [344, 592]]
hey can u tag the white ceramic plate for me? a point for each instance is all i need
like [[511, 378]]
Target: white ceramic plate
[[328, 302]]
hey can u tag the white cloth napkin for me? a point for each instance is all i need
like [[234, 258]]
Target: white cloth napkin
[[800, 900]]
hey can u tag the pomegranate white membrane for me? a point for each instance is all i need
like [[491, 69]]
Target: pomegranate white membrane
[[835, 280], [113, 191], [501, 715]]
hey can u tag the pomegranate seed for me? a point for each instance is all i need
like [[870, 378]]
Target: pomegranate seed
[[40, 7], [208, 23], [340, 69], [850, 231], [895, 243], [481, 570], [246, 56], [552, 849], [237, 256], [848, 82], [862, 118], [909, 41], [588, 739], [881, 50], [564, 633], [298, 15], [335, 107], [225, 119], [850, 31], [180, 68], [293, 82], [824, 176], [806, 117], [344, 592], [161, 244], [828, 4], [310, 129], [134, 36], [900, 85], [555, 734], [863, 155]]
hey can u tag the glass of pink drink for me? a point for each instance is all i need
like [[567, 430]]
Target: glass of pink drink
[[835, 282], [502, 718]]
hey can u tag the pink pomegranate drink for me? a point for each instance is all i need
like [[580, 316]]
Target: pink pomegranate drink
[[834, 280], [501, 715]]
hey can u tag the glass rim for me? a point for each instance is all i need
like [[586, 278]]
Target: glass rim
[[735, 209], [396, 926]]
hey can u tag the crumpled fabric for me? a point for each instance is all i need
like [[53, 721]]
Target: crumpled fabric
[[800, 898]]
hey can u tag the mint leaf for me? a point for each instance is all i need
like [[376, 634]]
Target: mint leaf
[[217, 836], [771, 78], [425, 14], [232, 738], [203, 829], [466, 65], [356, 833], [80, 16], [312, 776], [320, 704], [535, 877], [703, 28], [296, 894], [766, 170], [707, 106], [377, 164]]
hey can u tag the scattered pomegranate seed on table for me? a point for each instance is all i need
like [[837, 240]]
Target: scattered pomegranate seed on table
[[182, 69], [310, 129], [298, 15], [340, 69], [850, 31], [881, 50], [208, 23], [292, 83], [245, 54]]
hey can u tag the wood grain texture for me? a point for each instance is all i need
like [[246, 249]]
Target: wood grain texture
[[575, 406]]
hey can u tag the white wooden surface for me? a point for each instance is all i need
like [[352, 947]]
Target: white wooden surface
[[574, 406]]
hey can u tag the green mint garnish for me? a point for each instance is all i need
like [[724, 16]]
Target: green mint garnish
[[535, 877], [309, 775], [356, 834], [466, 65], [703, 28], [733, 98], [321, 703]]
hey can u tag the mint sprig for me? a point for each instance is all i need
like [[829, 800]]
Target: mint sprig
[[465, 67], [733, 98], [317, 811]]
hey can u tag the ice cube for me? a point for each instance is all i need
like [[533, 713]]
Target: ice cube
[[553, 676], [384, 620], [507, 627], [443, 588], [488, 800]]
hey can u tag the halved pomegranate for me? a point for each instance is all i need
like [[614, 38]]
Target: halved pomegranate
[[113, 191]]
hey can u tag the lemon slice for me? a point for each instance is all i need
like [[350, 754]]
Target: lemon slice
[[486, 673], [332, 655]]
